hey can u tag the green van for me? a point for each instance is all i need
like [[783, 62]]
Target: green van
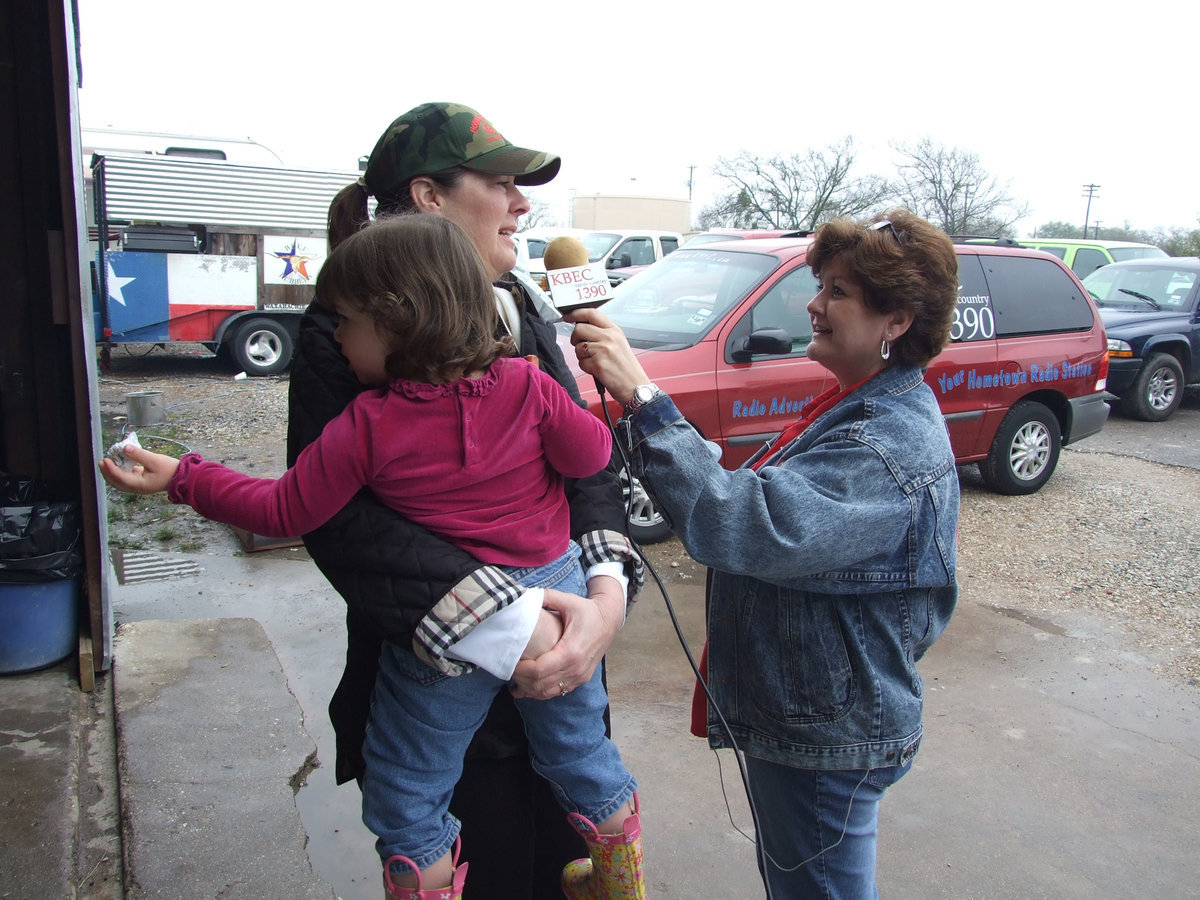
[[1085, 257]]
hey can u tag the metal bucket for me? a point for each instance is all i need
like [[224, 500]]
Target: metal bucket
[[145, 408]]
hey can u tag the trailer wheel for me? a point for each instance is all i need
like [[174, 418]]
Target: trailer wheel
[[262, 347]]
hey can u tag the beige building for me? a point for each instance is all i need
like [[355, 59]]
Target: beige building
[[599, 211]]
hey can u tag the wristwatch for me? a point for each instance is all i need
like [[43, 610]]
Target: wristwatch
[[642, 394]]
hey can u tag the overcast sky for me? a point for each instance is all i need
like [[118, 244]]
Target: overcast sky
[[1051, 96]]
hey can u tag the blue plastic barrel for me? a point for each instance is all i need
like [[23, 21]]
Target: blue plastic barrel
[[39, 624]]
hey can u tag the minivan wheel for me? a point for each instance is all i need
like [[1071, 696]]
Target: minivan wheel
[[646, 523], [1157, 391], [1024, 451]]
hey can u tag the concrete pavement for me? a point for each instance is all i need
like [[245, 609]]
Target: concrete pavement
[[213, 749], [1055, 764]]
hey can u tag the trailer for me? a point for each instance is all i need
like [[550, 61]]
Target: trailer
[[208, 251]]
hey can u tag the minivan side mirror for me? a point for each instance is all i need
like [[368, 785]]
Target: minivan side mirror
[[769, 341]]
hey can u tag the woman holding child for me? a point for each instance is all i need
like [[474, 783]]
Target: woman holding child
[[397, 578], [451, 486]]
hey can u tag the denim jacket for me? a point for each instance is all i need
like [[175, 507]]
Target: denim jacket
[[832, 570]]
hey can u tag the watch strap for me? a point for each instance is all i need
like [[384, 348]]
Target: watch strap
[[642, 394]]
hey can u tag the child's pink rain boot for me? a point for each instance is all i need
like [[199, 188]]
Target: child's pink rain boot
[[453, 891]]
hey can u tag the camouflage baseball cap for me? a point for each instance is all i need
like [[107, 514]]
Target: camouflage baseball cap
[[436, 136]]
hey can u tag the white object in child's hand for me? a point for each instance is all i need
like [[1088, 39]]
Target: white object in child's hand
[[117, 451]]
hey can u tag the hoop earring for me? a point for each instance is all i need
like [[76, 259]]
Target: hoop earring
[[885, 350]]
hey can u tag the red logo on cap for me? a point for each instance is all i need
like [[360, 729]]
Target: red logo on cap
[[492, 133]]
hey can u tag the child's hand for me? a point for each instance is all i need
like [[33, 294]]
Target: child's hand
[[546, 633], [151, 472]]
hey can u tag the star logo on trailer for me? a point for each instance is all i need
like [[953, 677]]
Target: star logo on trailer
[[115, 284], [294, 262]]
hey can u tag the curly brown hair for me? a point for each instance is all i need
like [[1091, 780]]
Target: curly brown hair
[[421, 279], [902, 263]]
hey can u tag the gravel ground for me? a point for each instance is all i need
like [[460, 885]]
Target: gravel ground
[[1105, 551]]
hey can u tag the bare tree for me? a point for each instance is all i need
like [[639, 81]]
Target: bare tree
[[795, 191], [1057, 229], [950, 188], [1176, 241], [540, 214], [733, 210]]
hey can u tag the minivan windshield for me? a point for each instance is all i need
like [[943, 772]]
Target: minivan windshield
[[698, 240], [681, 298]]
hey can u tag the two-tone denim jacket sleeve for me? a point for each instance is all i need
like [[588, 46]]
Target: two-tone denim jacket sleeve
[[818, 511], [488, 589]]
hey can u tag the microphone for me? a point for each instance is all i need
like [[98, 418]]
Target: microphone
[[574, 282], [564, 253]]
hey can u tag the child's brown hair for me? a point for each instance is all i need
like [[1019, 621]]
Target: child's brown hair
[[422, 281]]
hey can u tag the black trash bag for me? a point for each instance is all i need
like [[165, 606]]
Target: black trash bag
[[40, 537]]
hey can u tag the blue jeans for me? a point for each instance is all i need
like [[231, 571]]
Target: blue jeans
[[817, 829], [422, 721]]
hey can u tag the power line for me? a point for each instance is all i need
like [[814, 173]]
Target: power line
[[1090, 191]]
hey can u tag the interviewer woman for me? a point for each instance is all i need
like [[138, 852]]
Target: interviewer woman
[[831, 553]]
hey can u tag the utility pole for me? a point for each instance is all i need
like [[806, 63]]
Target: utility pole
[[691, 177], [1095, 231], [1089, 192]]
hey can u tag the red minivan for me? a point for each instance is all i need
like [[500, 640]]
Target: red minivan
[[724, 330]]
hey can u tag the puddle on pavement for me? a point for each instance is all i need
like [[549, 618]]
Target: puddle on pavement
[[1034, 621], [340, 847]]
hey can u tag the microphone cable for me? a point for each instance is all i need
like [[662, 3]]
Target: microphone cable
[[687, 652]]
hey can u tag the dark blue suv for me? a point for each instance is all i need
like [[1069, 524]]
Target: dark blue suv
[[1151, 316]]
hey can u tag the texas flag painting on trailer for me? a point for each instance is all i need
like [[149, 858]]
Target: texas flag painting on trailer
[[176, 296]]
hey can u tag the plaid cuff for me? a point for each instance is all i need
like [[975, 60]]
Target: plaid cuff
[[489, 589], [612, 546], [479, 595]]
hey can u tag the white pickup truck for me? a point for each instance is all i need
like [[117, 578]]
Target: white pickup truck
[[623, 251]]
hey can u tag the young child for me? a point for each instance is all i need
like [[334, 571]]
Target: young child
[[474, 445]]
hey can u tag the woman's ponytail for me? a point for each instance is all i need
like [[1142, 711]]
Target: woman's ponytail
[[347, 213]]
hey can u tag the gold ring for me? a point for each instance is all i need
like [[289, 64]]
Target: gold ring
[[562, 687]]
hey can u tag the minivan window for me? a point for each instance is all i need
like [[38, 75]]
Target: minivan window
[[973, 319], [1122, 253], [1033, 296], [785, 306], [1088, 261]]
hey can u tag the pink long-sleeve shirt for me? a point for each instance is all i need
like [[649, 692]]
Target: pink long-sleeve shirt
[[480, 462]]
